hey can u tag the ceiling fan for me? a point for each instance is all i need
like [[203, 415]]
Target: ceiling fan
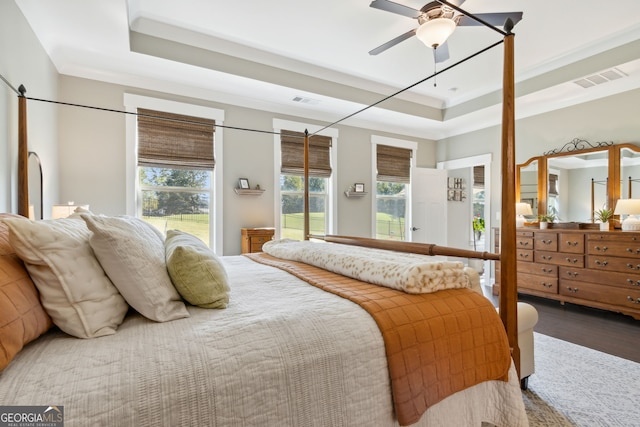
[[437, 22]]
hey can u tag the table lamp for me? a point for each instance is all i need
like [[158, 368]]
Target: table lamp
[[522, 209], [630, 207]]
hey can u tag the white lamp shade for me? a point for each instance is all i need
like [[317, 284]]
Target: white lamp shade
[[436, 31], [523, 209], [629, 207]]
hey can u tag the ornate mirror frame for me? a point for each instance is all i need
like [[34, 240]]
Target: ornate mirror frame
[[578, 147]]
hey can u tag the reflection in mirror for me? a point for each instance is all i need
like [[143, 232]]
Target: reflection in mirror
[[574, 200], [35, 186], [529, 186], [629, 173]]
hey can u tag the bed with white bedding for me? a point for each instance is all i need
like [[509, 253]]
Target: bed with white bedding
[[282, 353]]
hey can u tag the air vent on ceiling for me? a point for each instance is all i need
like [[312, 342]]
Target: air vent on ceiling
[[304, 100], [602, 77]]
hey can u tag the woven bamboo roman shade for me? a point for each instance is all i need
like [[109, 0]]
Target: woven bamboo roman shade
[[174, 141], [292, 148], [478, 176], [393, 163]]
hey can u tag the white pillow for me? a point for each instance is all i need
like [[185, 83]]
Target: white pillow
[[131, 252], [74, 289]]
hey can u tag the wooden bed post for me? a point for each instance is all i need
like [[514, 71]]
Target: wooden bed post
[[508, 282], [23, 155], [306, 185]]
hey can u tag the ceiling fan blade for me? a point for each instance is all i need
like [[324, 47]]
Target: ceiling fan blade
[[495, 19], [442, 52], [393, 42], [457, 2], [392, 7]]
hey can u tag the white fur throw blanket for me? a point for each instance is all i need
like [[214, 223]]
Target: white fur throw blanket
[[411, 273]]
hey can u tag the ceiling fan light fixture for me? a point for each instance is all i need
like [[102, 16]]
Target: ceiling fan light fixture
[[435, 32]]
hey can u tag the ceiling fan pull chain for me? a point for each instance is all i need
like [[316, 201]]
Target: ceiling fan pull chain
[[435, 68]]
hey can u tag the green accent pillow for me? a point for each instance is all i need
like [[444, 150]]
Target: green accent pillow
[[196, 272]]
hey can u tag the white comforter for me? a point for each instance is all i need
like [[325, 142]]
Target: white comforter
[[284, 353]]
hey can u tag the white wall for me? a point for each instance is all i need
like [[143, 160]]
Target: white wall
[[609, 119], [92, 159], [24, 61]]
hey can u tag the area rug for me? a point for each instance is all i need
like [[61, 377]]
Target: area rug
[[577, 386]]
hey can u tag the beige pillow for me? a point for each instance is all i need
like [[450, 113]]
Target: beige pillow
[[131, 252], [74, 289], [196, 272]]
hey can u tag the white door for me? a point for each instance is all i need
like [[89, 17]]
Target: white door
[[429, 206]]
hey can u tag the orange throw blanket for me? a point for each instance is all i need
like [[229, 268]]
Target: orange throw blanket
[[436, 343]]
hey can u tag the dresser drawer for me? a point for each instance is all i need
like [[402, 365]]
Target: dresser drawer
[[602, 294], [624, 248], [524, 255], [571, 243], [560, 258], [537, 283], [629, 280], [524, 242], [546, 270], [546, 242], [609, 263]]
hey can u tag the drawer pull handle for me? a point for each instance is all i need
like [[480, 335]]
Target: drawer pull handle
[[523, 243], [633, 282], [547, 285], [523, 255], [572, 261], [572, 243], [631, 266], [603, 249], [633, 301], [573, 274], [547, 270], [546, 242], [546, 257], [570, 289], [604, 263]]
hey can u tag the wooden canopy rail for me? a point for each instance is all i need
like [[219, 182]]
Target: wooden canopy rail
[[508, 290], [409, 247]]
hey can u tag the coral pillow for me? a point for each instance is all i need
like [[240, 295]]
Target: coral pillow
[[131, 251], [74, 289], [196, 272], [22, 317]]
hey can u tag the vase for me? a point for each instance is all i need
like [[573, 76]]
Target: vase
[[604, 226], [543, 225]]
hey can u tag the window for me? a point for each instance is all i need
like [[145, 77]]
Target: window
[[175, 160], [292, 184], [393, 165]]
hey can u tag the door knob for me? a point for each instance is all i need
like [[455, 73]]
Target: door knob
[[415, 228]]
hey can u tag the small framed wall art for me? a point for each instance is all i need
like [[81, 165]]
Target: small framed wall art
[[358, 187], [243, 183]]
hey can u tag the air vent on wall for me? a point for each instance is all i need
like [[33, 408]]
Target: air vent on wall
[[602, 77], [304, 100]]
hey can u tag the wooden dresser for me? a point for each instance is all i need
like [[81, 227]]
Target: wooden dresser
[[594, 268], [254, 238]]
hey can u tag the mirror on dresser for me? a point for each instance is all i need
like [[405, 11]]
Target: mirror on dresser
[[630, 172], [575, 180]]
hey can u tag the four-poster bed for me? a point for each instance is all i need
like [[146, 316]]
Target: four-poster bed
[[225, 367]]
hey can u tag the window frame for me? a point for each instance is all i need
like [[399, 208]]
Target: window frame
[[133, 201], [331, 215], [401, 143]]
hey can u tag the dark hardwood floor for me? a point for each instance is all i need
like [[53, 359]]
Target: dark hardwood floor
[[601, 330]]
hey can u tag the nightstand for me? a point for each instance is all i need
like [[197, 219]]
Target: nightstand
[[254, 238]]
